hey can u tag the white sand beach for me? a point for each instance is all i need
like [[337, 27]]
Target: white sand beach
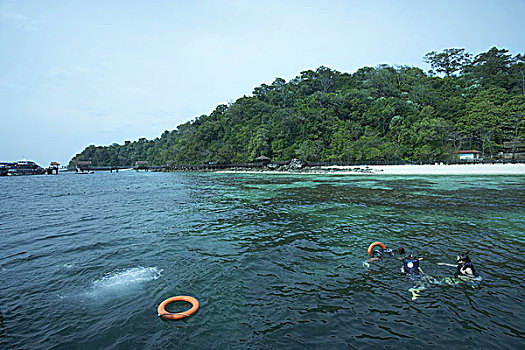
[[433, 169]]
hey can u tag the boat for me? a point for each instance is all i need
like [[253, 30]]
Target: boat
[[25, 167]]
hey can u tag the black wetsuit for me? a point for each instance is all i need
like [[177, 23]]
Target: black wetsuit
[[464, 266]]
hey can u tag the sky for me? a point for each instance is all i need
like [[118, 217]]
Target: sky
[[75, 73]]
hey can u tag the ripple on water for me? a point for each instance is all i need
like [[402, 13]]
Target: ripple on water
[[275, 261]]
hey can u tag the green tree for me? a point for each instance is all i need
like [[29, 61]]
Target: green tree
[[449, 61], [381, 113], [493, 68], [484, 121]]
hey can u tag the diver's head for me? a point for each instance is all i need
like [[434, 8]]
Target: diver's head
[[401, 250], [411, 256], [463, 258]]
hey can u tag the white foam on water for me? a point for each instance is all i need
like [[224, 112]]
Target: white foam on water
[[123, 281]]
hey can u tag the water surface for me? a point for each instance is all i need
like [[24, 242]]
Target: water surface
[[275, 260]]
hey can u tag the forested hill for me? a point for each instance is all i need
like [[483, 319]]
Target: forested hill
[[382, 113]]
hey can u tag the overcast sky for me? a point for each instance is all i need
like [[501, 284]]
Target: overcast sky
[[76, 73]]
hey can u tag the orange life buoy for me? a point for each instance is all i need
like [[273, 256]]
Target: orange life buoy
[[373, 245], [161, 310]]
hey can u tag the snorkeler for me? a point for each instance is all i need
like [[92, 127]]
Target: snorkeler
[[411, 265], [381, 253], [465, 268]]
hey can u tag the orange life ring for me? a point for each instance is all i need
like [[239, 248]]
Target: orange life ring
[[373, 245], [161, 310]]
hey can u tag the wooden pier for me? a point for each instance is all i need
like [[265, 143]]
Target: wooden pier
[[85, 166]]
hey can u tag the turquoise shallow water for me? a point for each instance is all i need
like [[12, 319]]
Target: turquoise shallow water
[[275, 260]]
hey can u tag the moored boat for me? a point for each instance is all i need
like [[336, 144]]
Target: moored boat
[[25, 167]]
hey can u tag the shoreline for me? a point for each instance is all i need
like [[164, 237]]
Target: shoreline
[[427, 169]]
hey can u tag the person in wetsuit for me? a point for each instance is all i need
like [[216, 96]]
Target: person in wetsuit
[[381, 253], [465, 268]]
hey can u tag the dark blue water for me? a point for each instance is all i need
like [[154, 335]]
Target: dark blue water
[[275, 261]]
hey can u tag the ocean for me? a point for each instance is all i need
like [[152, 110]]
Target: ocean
[[275, 260]]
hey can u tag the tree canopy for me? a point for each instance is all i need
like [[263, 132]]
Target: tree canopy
[[377, 113]]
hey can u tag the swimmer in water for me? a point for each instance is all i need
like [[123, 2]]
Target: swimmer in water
[[381, 253], [464, 269], [411, 265]]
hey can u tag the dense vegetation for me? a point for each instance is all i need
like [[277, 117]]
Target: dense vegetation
[[381, 113]]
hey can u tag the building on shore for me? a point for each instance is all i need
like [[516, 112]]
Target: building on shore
[[514, 150], [469, 155]]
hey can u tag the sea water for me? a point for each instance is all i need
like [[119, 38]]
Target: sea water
[[276, 260]]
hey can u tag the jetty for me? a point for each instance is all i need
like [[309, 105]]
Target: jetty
[[86, 166]]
